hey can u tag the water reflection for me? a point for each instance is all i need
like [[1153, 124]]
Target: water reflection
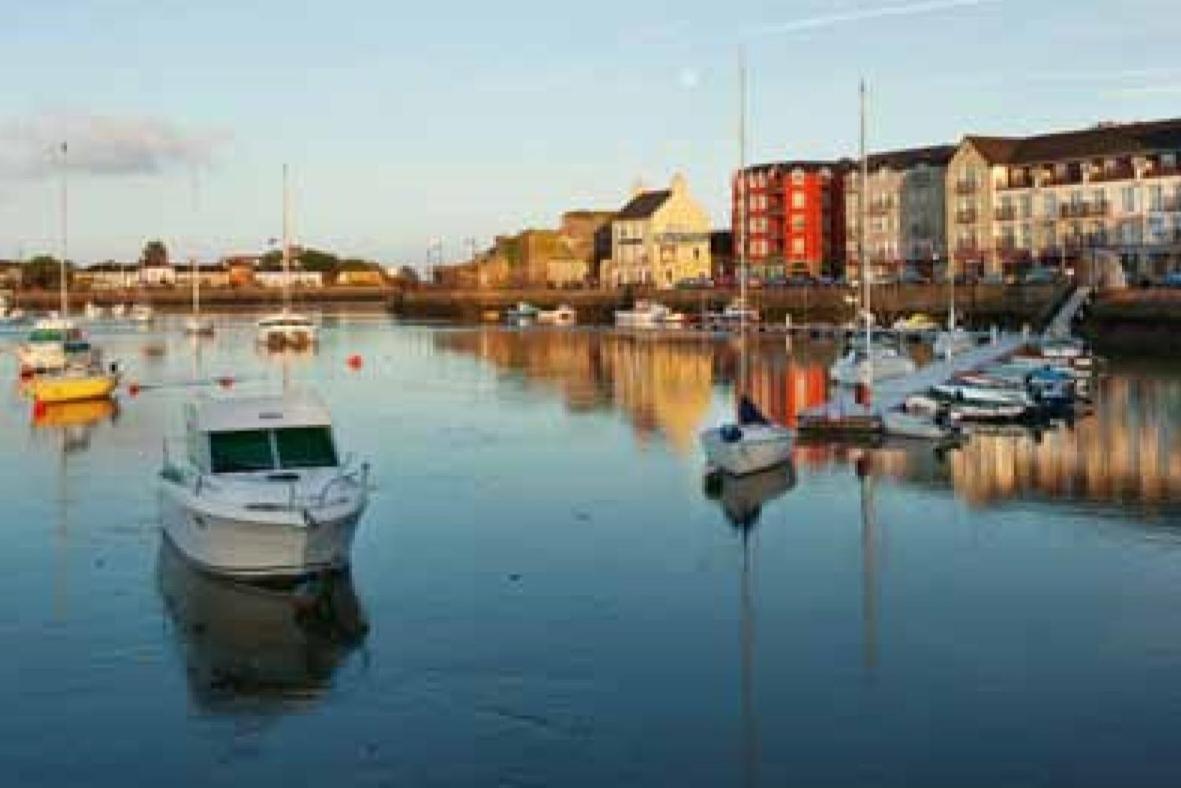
[[252, 648], [74, 422], [742, 499]]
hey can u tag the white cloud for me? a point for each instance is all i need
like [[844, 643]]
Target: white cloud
[[821, 21], [102, 144]]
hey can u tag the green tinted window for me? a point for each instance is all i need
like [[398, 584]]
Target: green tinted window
[[47, 335], [306, 447], [242, 451]]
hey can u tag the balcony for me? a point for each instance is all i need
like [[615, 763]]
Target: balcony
[[967, 248], [1082, 210], [1006, 213], [1065, 179], [965, 187], [1014, 183], [1123, 172], [1155, 170], [965, 216]]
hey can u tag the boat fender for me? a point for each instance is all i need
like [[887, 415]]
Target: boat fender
[[731, 433]]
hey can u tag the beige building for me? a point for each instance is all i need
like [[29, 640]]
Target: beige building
[[1062, 199], [659, 238], [905, 213]]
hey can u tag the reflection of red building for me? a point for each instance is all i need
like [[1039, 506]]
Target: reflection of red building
[[794, 215], [783, 393]]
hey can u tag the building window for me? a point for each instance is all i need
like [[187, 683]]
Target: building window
[[1128, 197], [797, 247], [798, 199], [1099, 196], [1051, 205], [797, 176], [1155, 199], [1026, 203]]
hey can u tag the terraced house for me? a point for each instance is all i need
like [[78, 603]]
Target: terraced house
[[659, 238], [905, 214], [1066, 198]]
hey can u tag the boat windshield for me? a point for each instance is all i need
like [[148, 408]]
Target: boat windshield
[[47, 335], [289, 448], [305, 447]]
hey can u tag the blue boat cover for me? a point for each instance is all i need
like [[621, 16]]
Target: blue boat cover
[[749, 413]]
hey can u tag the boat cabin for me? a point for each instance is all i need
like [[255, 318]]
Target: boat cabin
[[57, 332], [259, 434], [285, 321]]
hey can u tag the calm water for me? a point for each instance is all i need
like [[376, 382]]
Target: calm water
[[544, 592]]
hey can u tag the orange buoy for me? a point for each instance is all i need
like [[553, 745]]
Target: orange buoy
[[133, 389]]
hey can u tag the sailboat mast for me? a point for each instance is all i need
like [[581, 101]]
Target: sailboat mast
[[742, 213], [65, 223], [286, 246], [862, 206]]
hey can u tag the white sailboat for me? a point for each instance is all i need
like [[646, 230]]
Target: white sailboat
[[867, 364], [196, 325], [260, 490], [954, 340], [286, 328], [648, 315], [750, 443]]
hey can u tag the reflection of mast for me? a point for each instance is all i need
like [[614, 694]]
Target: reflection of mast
[[869, 600], [750, 725]]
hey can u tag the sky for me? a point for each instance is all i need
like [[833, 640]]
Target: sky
[[410, 124]]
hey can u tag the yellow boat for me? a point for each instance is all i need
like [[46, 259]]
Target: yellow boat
[[73, 387], [74, 414]]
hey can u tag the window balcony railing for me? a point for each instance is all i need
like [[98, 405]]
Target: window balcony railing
[[965, 187], [1121, 173], [1064, 179], [1079, 210], [1014, 183], [1006, 213], [1155, 170], [965, 215]]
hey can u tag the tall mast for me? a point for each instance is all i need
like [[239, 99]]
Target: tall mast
[[743, 197], [286, 246], [862, 206], [65, 223], [193, 251]]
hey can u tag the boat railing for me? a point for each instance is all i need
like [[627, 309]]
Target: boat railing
[[358, 475]]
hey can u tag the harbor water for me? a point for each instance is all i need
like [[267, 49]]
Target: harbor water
[[546, 591]]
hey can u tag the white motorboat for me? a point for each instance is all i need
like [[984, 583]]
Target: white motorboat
[[53, 345], [523, 314], [286, 329], [959, 392], [563, 316], [260, 491], [93, 311], [749, 444], [880, 363], [953, 343], [905, 424], [198, 326], [737, 313], [648, 315], [141, 314], [119, 311]]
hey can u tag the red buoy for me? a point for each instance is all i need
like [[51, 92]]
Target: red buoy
[[133, 389], [225, 382], [355, 362]]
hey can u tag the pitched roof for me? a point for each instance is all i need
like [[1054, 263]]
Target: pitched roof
[[932, 156], [807, 165], [644, 204], [1107, 139]]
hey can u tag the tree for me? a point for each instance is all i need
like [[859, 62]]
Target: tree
[[43, 272], [155, 254]]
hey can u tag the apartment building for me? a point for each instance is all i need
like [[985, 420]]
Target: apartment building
[[1062, 199], [659, 238], [794, 217], [905, 211]]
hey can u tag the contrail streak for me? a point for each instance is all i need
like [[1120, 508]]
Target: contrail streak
[[861, 15]]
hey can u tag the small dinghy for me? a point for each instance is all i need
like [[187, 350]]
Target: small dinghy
[[260, 491]]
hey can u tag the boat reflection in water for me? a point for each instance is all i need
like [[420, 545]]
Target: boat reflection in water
[[74, 421], [742, 499], [258, 648]]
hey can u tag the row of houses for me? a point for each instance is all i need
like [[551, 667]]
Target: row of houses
[[988, 205], [658, 237]]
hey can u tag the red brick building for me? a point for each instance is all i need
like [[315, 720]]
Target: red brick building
[[795, 217]]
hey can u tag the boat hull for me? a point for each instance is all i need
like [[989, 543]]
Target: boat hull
[[266, 545], [754, 448], [52, 391]]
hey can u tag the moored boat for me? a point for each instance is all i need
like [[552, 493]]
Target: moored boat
[[564, 315], [648, 315], [880, 363], [260, 490]]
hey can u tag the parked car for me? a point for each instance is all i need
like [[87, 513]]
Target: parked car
[[912, 277], [695, 283], [1171, 279], [992, 279], [777, 280], [800, 280], [1040, 276]]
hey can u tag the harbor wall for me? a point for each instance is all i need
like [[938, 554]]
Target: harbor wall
[[1135, 323], [980, 305]]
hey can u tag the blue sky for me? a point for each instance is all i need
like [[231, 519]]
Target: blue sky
[[457, 120]]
